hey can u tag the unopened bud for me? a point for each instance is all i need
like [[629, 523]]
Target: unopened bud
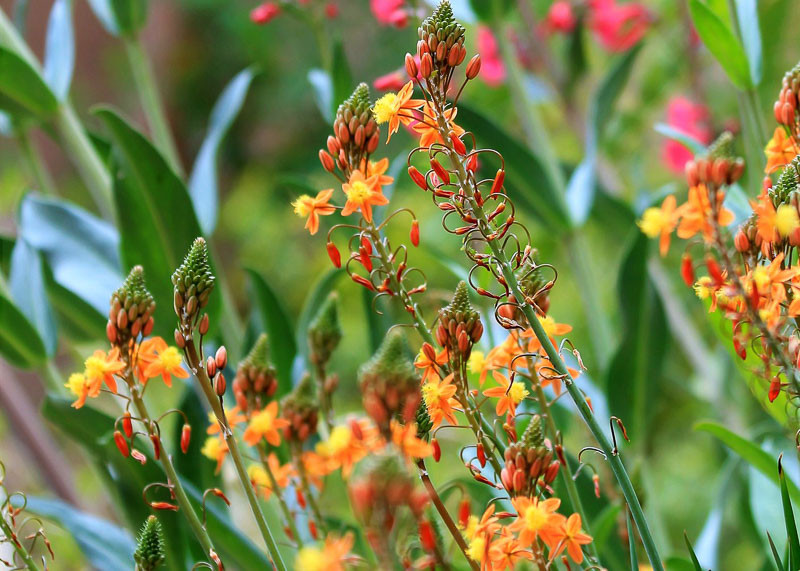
[[203, 327], [221, 357], [411, 66], [122, 444], [211, 367], [474, 67], [220, 385], [186, 436]]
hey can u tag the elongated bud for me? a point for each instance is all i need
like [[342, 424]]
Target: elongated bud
[[211, 367], [221, 357], [497, 184], [741, 241], [425, 65], [156, 446], [458, 144], [220, 385], [139, 457], [164, 506], [327, 161], [204, 322], [714, 271], [426, 535], [127, 425], [418, 178], [481, 454], [437, 450], [411, 66], [186, 437], [774, 388], [440, 171], [687, 270], [312, 529], [360, 280], [111, 332], [474, 67], [333, 254], [415, 232], [122, 444], [464, 510]]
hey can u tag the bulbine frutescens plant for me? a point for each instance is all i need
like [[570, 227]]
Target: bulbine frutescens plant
[[520, 468]]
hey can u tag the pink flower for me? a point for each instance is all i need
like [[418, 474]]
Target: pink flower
[[560, 17], [331, 10], [689, 118], [493, 71], [618, 27], [264, 13], [390, 12], [393, 81]]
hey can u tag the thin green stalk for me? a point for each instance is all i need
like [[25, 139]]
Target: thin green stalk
[[611, 454], [145, 83], [290, 522], [35, 163], [172, 476], [214, 401], [20, 549], [325, 402], [312, 501]]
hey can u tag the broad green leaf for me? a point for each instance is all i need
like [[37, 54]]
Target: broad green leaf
[[105, 545], [276, 323], [750, 452], [791, 525], [22, 89], [27, 285], [59, 51], [20, 344], [722, 43], [695, 146], [747, 17], [526, 181], [120, 17], [155, 216], [76, 319], [582, 185], [314, 300], [81, 250], [377, 314], [323, 93], [633, 374], [203, 180]]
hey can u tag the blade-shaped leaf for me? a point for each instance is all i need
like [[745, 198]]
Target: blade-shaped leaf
[[788, 516], [203, 180], [22, 88], [722, 43], [28, 290], [120, 17], [695, 562], [275, 321], [747, 17], [59, 51], [105, 545], [20, 344], [687, 141], [77, 246]]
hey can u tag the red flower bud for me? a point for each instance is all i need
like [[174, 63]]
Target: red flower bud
[[415, 232], [211, 367], [774, 389], [418, 178], [363, 281], [186, 436], [426, 536], [301, 500], [474, 67], [440, 171], [411, 66], [203, 327], [464, 512], [221, 357], [472, 162], [264, 13], [437, 451], [220, 385], [333, 254], [127, 425], [596, 480], [714, 271], [687, 270], [481, 454], [458, 144], [312, 529], [122, 444], [499, 178], [163, 506], [327, 161]]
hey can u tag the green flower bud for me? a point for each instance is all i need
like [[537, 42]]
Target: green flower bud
[[149, 552]]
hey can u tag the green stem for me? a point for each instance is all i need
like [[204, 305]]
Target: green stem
[[172, 477], [312, 502], [37, 167], [611, 454], [20, 549], [196, 364], [325, 401], [277, 491], [145, 82]]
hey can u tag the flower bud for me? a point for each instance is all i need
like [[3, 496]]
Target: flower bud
[[211, 367], [122, 444], [220, 385], [474, 67], [415, 232], [186, 436], [204, 323], [411, 66], [221, 357]]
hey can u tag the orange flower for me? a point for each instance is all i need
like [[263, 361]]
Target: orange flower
[[261, 481], [780, 150], [774, 224], [344, 448], [78, 385], [537, 519], [429, 134], [660, 222], [405, 438], [333, 556], [99, 368], [501, 356], [510, 394], [507, 551], [362, 193], [438, 396], [158, 358], [215, 448], [396, 108], [548, 376], [696, 214], [233, 415], [430, 368], [379, 169], [551, 328], [265, 424], [313, 208], [568, 535]]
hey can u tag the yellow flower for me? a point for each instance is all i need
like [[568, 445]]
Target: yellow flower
[[660, 221], [476, 362], [215, 448], [265, 424], [786, 220], [396, 108], [311, 559]]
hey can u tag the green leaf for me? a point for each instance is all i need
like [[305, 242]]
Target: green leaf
[[314, 300], [775, 556], [526, 181], [275, 321], [105, 545], [203, 180], [76, 245], [155, 215], [22, 89], [695, 146], [76, 319], [582, 184], [20, 344], [747, 17], [120, 17], [27, 284], [332, 87], [750, 452], [635, 369], [631, 540], [788, 516], [722, 43], [59, 51], [695, 562]]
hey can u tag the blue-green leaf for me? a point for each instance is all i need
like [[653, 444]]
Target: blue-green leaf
[[81, 249], [120, 17], [22, 89], [747, 16], [722, 43], [687, 141], [20, 344], [791, 525], [59, 51], [203, 180], [105, 545], [332, 87], [27, 284]]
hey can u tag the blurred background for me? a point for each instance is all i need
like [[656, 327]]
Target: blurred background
[[269, 156]]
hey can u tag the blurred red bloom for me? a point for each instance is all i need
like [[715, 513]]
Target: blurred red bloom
[[390, 12], [689, 118], [618, 27], [560, 17], [493, 71], [264, 13]]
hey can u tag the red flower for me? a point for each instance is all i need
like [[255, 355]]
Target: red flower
[[390, 12], [560, 17], [618, 27], [264, 13], [493, 70], [690, 118]]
